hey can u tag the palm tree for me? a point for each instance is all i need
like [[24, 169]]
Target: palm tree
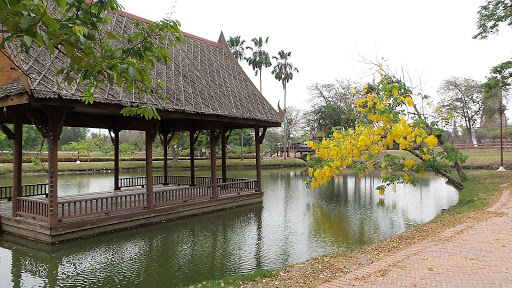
[[283, 71], [236, 45], [260, 58]]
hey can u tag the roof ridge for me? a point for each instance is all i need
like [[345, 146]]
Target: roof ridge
[[189, 35]]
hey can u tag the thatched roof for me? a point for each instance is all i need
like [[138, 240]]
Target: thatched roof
[[203, 78]]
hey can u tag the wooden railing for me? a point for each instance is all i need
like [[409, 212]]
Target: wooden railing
[[173, 179], [27, 190], [101, 205], [237, 187], [32, 207], [131, 201], [183, 194]]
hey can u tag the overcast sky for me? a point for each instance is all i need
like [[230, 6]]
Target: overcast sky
[[430, 40]]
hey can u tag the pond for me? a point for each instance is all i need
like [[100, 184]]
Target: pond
[[292, 224]]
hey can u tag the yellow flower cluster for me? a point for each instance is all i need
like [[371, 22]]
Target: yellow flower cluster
[[366, 141]]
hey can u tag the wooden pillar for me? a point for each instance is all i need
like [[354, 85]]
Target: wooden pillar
[[165, 145], [192, 157], [224, 156], [16, 163], [116, 160], [214, 138], [55, 124], [259, 139], [150, 138]]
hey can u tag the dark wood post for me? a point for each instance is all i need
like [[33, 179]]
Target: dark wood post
[[214, 138], [258, 140], [16, 162], [150, 138], [193, 140], [224, 156], [165, 144], [55, 124], [116, 160]]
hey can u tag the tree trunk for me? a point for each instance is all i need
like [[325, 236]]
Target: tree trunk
[[285, 144], [174, 154], [458, 168], [473, 136], [451, 180]]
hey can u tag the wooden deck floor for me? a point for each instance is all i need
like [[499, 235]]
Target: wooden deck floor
[[77, 226]]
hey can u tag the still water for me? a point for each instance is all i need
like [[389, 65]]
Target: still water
[[292, 224]]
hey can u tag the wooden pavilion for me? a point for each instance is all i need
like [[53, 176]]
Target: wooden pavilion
[[206, 89]]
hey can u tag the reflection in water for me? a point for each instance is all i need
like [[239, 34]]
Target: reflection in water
[[292, 224]]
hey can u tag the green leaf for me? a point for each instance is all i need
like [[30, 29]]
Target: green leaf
[[132, 73], [61, 3], [27, 40], [25, 22]]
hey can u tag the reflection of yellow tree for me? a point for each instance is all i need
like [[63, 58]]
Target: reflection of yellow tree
[[329, 225]]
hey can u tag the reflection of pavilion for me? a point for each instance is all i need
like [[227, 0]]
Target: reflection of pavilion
[[206, 89]]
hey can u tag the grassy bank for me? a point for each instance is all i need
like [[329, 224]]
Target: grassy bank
[[481, 191], [72, 167]]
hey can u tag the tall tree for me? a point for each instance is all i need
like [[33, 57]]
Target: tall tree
[[490, 16], [283, 71], [73, 134], [74, 28], [236, 45], [294, 122], [462, 98], [260, 58], [332, 106]]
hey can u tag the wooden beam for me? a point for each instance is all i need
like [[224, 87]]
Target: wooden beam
[[262, 136], [115, 139], [223, 155], [205, 121], [192, 142], [149, 168], [16, 163], [165, 140], [214, 138], [258, 139], [56, 118], [40, 126], [14, 100], [8, 132]]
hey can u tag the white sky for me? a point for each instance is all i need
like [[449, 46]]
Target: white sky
[[430, 40]]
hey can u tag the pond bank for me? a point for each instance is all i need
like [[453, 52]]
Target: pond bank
[[90, 167], [482, 191]]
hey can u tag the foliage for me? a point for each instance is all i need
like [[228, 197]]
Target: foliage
[[73, 28], [332, 106], [85, 147], [32, 139], [283, 71], [126, 149], [72, 134], [260, 58], [236, 45], [391, 118], [462, 98], [237, 134], [294, 122], [490, 17]]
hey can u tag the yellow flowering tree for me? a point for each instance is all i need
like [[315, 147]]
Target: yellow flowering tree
[[392, 121]]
